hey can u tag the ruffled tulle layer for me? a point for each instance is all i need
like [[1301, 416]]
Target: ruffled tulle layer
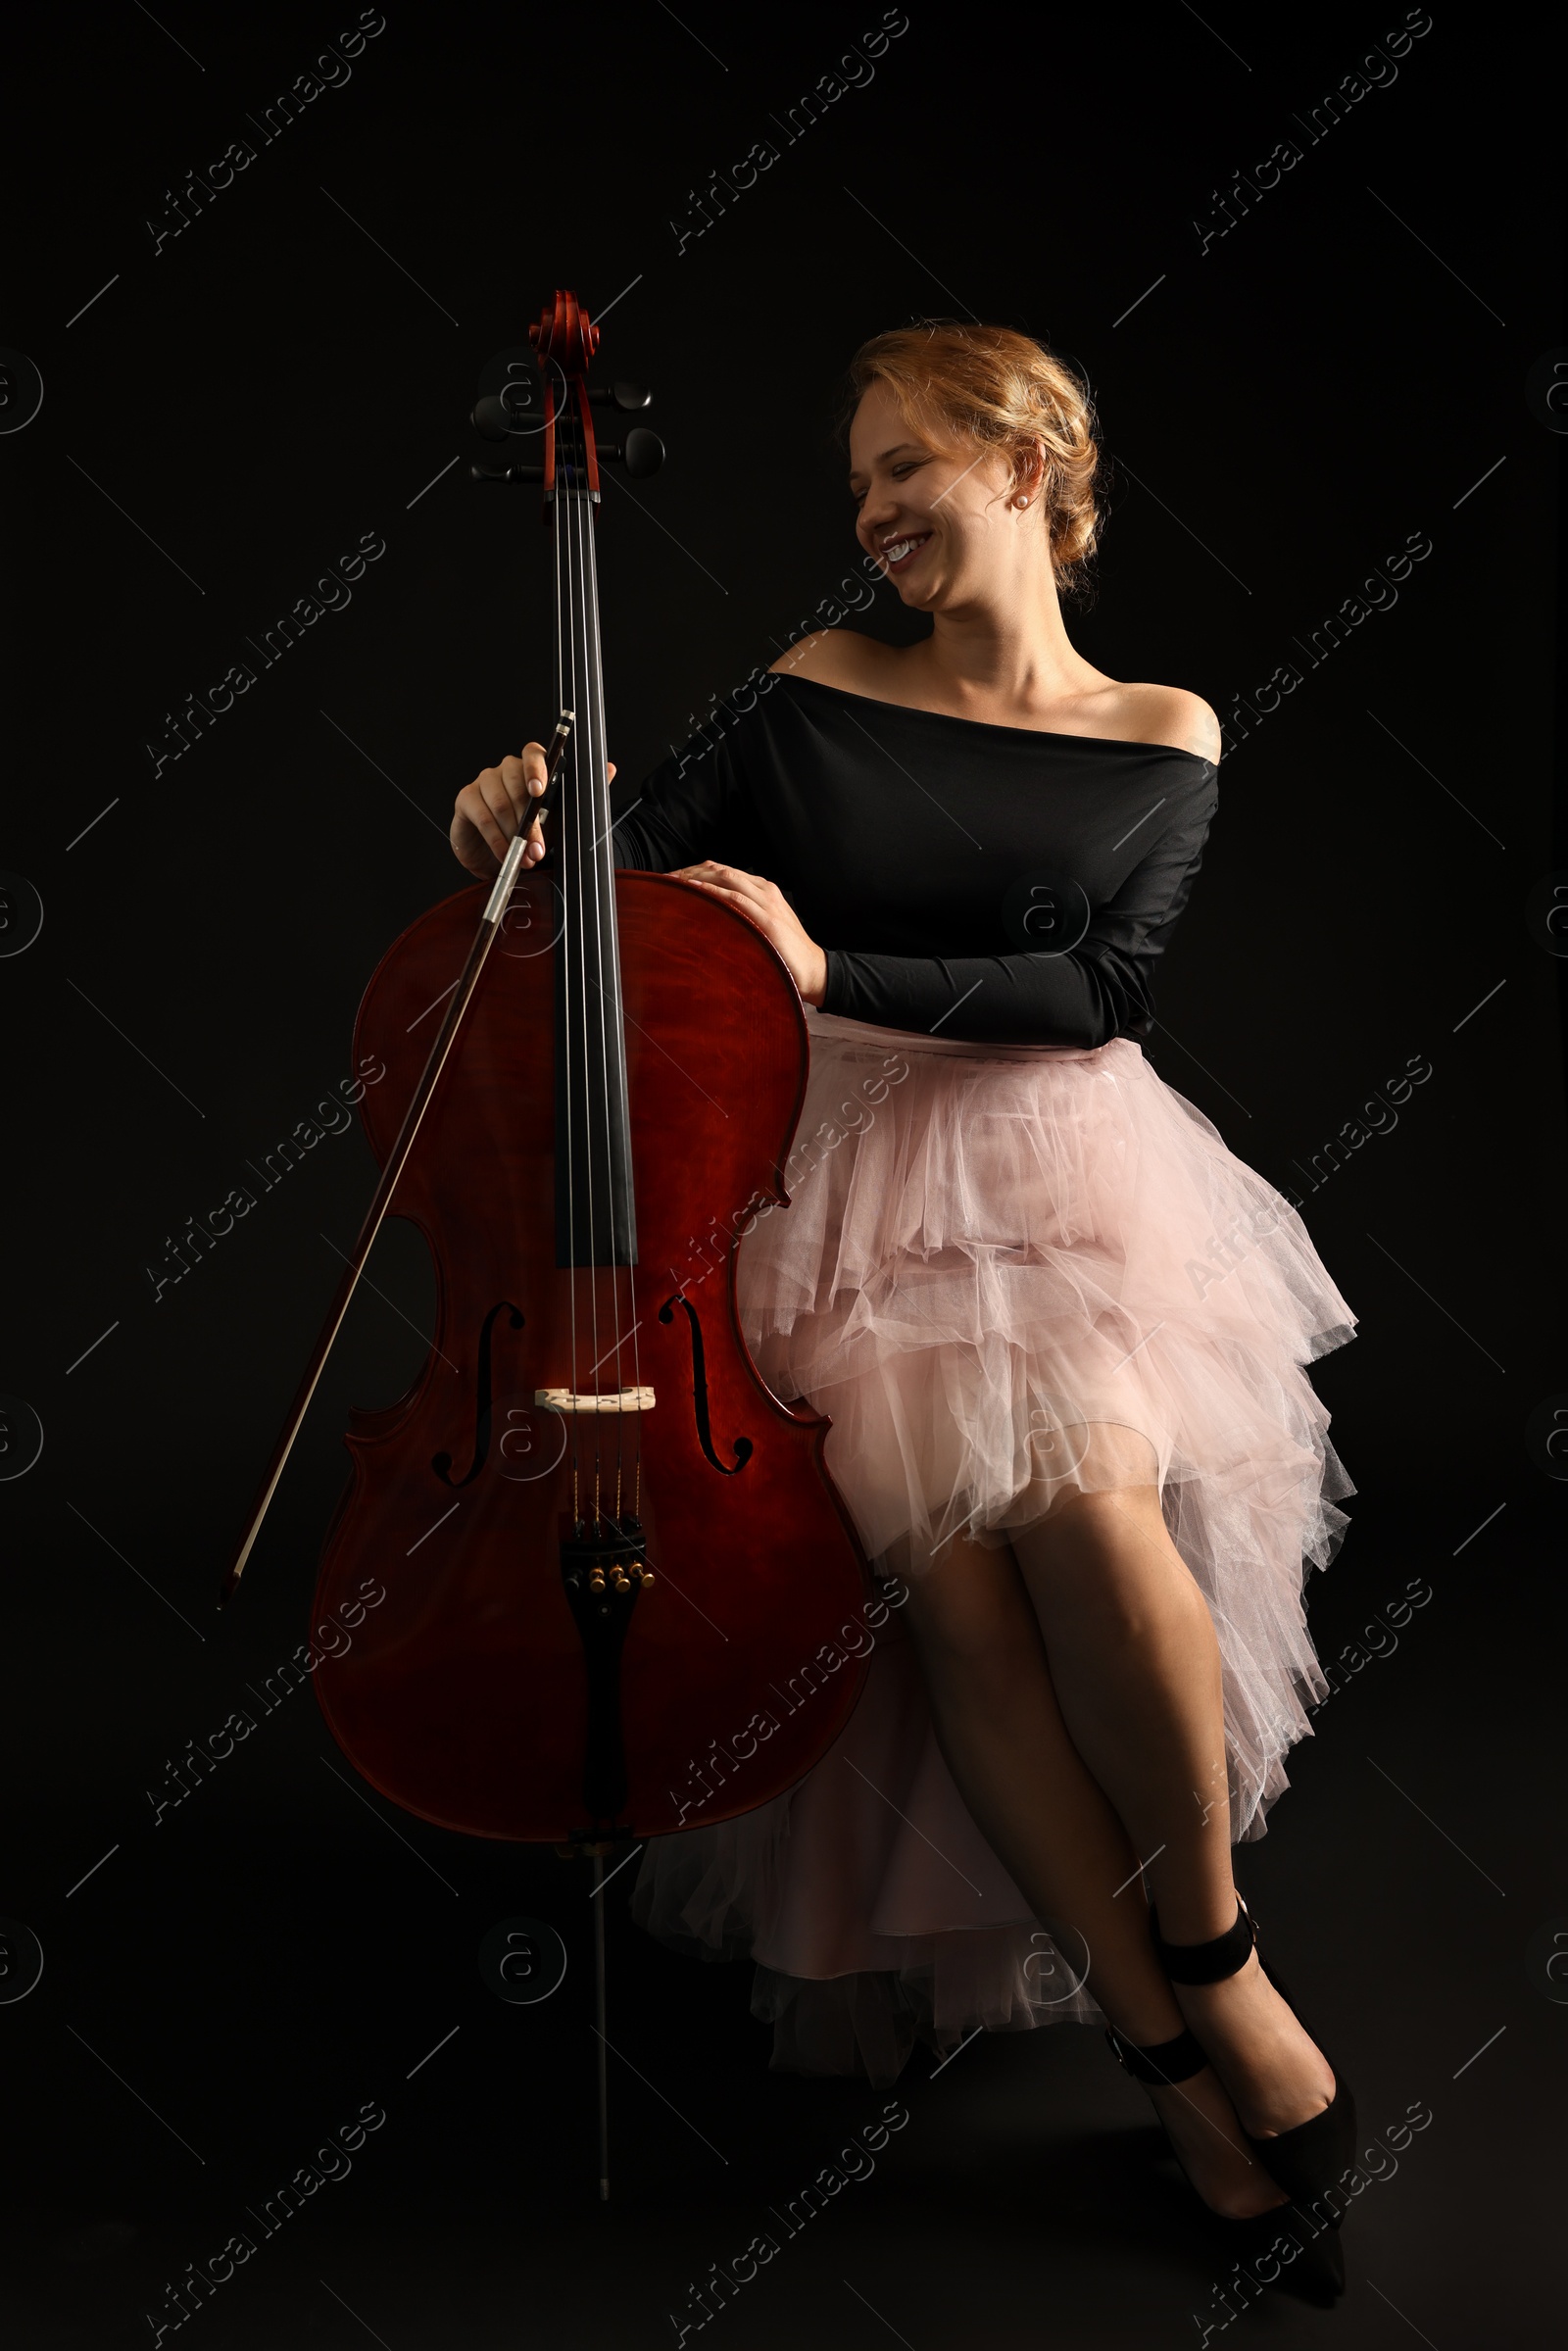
[[1008, 1275]]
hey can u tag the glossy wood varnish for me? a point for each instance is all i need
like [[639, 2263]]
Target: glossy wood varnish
[[462, 1696]]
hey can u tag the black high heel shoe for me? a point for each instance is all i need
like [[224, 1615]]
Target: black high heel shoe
[[1309, 2160], [1284, 2248]]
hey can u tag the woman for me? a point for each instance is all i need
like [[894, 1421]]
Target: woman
[[1059, 1327]]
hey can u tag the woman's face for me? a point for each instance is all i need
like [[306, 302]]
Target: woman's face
[[940, 520]]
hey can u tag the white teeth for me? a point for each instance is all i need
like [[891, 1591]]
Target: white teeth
[[896, 554]]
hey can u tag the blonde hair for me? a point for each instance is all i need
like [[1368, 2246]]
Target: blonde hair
[[995, 388]]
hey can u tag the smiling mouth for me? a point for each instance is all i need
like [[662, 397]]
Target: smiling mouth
[[903, 551]]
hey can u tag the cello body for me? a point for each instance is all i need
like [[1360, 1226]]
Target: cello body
[[611, 1566], [491, 1692]]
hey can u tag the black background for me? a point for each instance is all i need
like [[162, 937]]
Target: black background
[[223, 420]]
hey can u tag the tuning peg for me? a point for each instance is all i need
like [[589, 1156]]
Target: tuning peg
[[622, 395], [641, 453], [508, 472], [490, 419], [497, 416]]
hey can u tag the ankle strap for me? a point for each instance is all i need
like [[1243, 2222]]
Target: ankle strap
[[1211, 1961], [1165, 2063]]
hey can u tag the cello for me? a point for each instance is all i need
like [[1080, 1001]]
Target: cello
[[606, 1547]]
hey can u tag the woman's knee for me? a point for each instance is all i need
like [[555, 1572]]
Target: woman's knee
[[1107, 1560]]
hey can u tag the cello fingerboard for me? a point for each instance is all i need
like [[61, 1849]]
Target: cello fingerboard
[[596, 1215]]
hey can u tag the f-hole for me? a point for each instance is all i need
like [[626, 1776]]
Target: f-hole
[[441, 1463], [742, 1447]]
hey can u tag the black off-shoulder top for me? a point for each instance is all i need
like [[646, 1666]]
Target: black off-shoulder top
[[984, 882]]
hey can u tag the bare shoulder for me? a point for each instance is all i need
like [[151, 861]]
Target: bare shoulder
[[1171, 714], [837, 657]]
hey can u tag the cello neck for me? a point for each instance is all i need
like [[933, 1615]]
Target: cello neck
[[595, 1207]]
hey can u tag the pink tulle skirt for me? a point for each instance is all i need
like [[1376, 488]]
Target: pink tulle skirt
[[1008, 1274]]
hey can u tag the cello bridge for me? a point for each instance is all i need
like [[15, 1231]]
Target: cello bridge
[[618, 1400]]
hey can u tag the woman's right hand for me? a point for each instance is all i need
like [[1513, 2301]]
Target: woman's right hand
[[491, 810]]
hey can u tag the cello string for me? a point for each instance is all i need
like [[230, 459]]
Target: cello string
[[582, 808], [603, 917], [572, 938], [612, 1012], [605, 878], [603, 912], [566, 675]]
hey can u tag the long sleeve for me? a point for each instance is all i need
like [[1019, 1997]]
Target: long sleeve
[[1102, 988], [1079, 998], [692, 807]]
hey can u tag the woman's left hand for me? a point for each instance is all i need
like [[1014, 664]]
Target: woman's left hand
[[764, 903]]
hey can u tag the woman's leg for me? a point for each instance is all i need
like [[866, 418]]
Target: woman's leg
[[1136, 1669], [1050, 1823]]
